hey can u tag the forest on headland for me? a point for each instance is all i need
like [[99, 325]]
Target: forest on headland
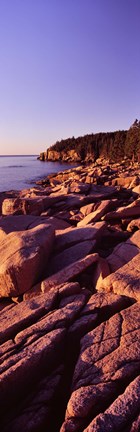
[[113, 145]]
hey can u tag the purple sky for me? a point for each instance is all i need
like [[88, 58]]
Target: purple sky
[[67, 67]]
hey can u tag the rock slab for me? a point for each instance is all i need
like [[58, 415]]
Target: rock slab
[[23, 258]]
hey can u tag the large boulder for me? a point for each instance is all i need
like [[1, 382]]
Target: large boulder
[[23, 259], [13, 223], [23, 205], [20, 206]]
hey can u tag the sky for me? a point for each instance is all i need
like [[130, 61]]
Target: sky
[[67, 68]]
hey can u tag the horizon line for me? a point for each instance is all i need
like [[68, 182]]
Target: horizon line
[[11, 155]]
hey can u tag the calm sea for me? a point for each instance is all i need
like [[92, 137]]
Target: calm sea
[[20, 172]]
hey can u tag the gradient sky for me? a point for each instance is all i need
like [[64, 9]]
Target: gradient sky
[[67, 67]]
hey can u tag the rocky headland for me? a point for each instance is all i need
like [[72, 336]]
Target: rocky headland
[[113, 145], [70, 302]]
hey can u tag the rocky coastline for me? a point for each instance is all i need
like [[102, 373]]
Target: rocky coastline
[[70, 301], [110, 145]]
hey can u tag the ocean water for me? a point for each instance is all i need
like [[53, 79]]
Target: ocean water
[[21, 172]]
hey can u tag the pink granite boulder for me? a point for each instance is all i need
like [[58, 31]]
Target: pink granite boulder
[[23, 259]]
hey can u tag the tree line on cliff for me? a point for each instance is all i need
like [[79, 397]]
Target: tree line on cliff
[[113, 145]]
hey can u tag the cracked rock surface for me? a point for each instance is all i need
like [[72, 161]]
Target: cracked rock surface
[[69, 302]]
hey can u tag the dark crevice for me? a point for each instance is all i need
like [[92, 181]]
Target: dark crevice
[[71, 357]]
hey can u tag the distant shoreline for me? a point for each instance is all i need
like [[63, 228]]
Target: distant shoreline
[[18, 155]]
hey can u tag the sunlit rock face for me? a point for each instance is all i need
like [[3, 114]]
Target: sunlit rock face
[[23, 258], [69, 302]]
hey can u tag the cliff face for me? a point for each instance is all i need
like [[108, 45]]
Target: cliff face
[[53, 155], [112, 145], [67, 156]]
